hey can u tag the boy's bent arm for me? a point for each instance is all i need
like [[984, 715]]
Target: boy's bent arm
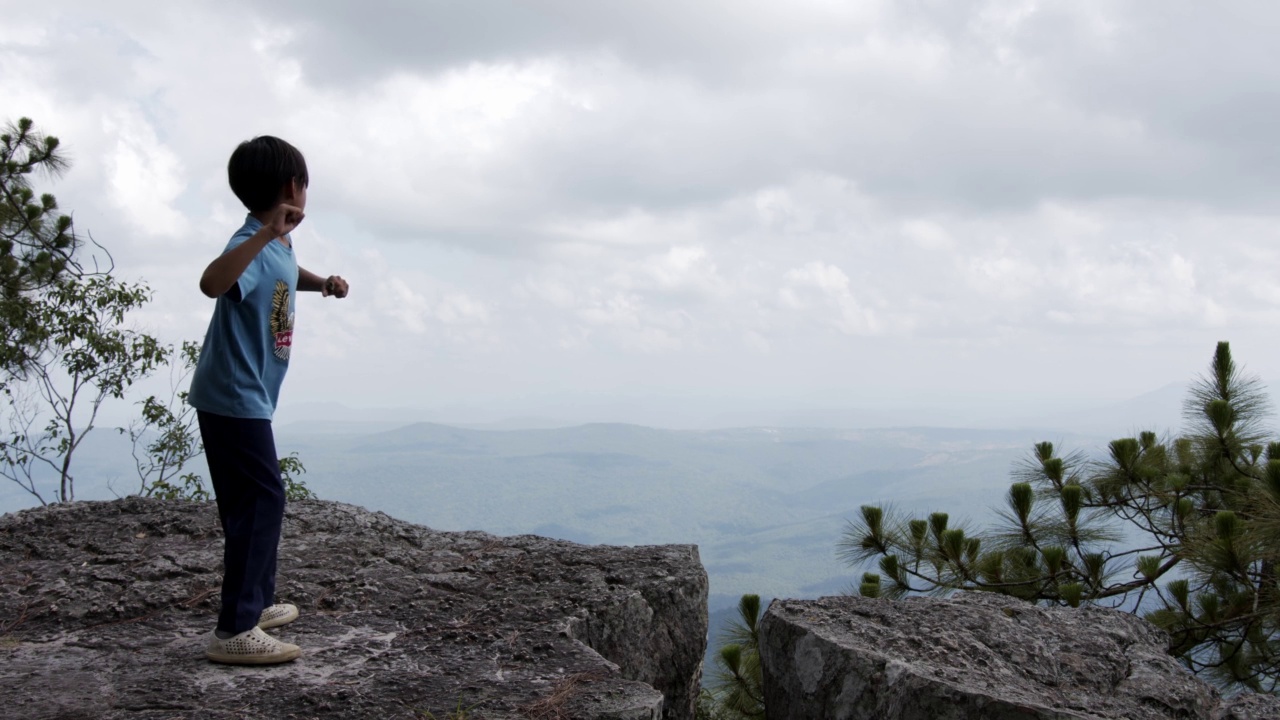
[[227, 268], [333, 285], [309, 281]]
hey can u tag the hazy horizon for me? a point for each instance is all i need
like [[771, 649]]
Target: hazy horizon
[[765, 505], [1157, 409]]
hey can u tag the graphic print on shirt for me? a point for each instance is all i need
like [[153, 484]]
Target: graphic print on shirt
[[282, 320]]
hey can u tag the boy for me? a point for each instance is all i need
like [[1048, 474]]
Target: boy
[[235, 386]]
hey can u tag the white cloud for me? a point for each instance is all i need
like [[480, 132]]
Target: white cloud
[[145, 176], [558, 294], [832, 283], [684, 195], [927, 235], [407, 309], [459, 309], [681, 270], [757, 342]]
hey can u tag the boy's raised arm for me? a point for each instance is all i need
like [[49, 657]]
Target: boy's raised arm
[[227, 268]]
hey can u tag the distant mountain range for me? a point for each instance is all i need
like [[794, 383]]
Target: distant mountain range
[[1160, 409], [766, 504]]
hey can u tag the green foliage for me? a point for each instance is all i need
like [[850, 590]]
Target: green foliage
[[174, 438], [1206, 504], [64, 348], [37, 244], [86, 356], [737, 690], [294, 487], [191, 487], [188, 486], [708, 708]]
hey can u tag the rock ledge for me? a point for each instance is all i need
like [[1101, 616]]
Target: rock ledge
[[977, 656], [104, 608]]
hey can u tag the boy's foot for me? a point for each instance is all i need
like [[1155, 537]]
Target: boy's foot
[[251, 647], [277, 615]]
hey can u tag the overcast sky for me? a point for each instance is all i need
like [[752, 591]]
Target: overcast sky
[[664, 211]]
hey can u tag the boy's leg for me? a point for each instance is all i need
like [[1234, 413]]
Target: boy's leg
[[246, 482]]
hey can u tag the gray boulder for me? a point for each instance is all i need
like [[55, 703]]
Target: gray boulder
[[977, 656], [105, 608]]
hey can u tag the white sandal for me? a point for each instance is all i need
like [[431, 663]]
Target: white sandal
[[277, 615], [251, 647]]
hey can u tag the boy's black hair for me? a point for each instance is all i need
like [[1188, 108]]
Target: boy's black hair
[[260, 168]]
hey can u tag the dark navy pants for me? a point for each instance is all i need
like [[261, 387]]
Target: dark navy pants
[[246, 482]]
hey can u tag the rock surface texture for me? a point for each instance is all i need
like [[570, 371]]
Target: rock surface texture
[[977, 656], [105, 609]]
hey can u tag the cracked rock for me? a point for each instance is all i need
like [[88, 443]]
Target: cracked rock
[[105, 609], [981, 657]]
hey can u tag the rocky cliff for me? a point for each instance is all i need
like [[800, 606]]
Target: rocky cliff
[[104, 609], [978, 657]]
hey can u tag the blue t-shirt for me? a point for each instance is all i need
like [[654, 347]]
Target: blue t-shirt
[[246, 350]]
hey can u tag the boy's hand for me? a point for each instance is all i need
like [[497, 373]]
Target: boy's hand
[[283, 219], [335, 286]]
